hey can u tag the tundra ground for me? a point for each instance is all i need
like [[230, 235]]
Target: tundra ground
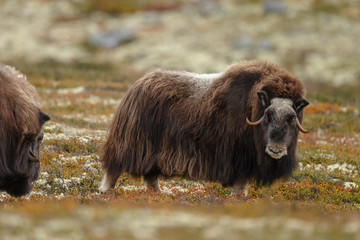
[[321, 200], [81, 85]]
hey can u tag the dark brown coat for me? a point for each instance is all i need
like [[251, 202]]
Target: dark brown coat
[[182, 124], [20, 132]]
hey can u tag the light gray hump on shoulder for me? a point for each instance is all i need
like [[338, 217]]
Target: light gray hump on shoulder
[[198, 83]]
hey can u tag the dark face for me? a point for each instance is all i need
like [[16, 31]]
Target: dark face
[[279, 127], [280, 124], [31, 154], [24, 156]]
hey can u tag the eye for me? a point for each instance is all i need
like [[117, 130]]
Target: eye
[[28, 138], [268, 117], [40, 137], [291, 119]]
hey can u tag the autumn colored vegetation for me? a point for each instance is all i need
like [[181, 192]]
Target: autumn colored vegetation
[[81, 101]]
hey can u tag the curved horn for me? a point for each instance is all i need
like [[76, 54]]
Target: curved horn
[[254, 123], [300, 127]]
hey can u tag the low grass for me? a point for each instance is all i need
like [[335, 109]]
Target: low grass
[[65, 202]]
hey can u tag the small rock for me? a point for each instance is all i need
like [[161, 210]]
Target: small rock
[[243, 43], [112, 39], [265, 45], [274, 6], [246, 42], [204, 7], [207, 7], [152, 18]]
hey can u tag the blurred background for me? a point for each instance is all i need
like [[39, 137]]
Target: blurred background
[[317, 40], [83, 55]]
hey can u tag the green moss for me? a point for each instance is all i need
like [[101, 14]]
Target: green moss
[[127, 6]]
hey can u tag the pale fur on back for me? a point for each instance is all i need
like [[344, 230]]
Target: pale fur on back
[[199, 83]]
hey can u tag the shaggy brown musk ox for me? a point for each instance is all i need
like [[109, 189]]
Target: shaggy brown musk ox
[[197, 126], [21, 122]]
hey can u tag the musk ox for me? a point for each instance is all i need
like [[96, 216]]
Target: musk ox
[[232, 127], [21, 133]]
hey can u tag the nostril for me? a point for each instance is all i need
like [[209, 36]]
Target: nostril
[[275, 151]]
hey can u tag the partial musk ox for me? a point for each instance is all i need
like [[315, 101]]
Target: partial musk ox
[[229, 127], [21, 122]]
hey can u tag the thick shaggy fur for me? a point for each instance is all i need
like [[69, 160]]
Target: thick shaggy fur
[[20, 123], [182, 124]]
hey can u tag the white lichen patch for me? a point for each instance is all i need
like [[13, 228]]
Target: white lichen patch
[[61, 183], [64, 91], [67, 132], [41, 182], [94, 119], [322, 142], [325, 140], [3, 196], [132, 188], [89, 169], [167, 187], [348, 141], [350, 185], [344, 168], [179, 189], [93, 100], [63, 99]]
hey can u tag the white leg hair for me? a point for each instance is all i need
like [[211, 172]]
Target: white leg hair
[[106, 184], [240, 188]]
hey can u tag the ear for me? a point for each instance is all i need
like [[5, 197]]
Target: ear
[[300, 104], [264, 98], [43, 118]]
